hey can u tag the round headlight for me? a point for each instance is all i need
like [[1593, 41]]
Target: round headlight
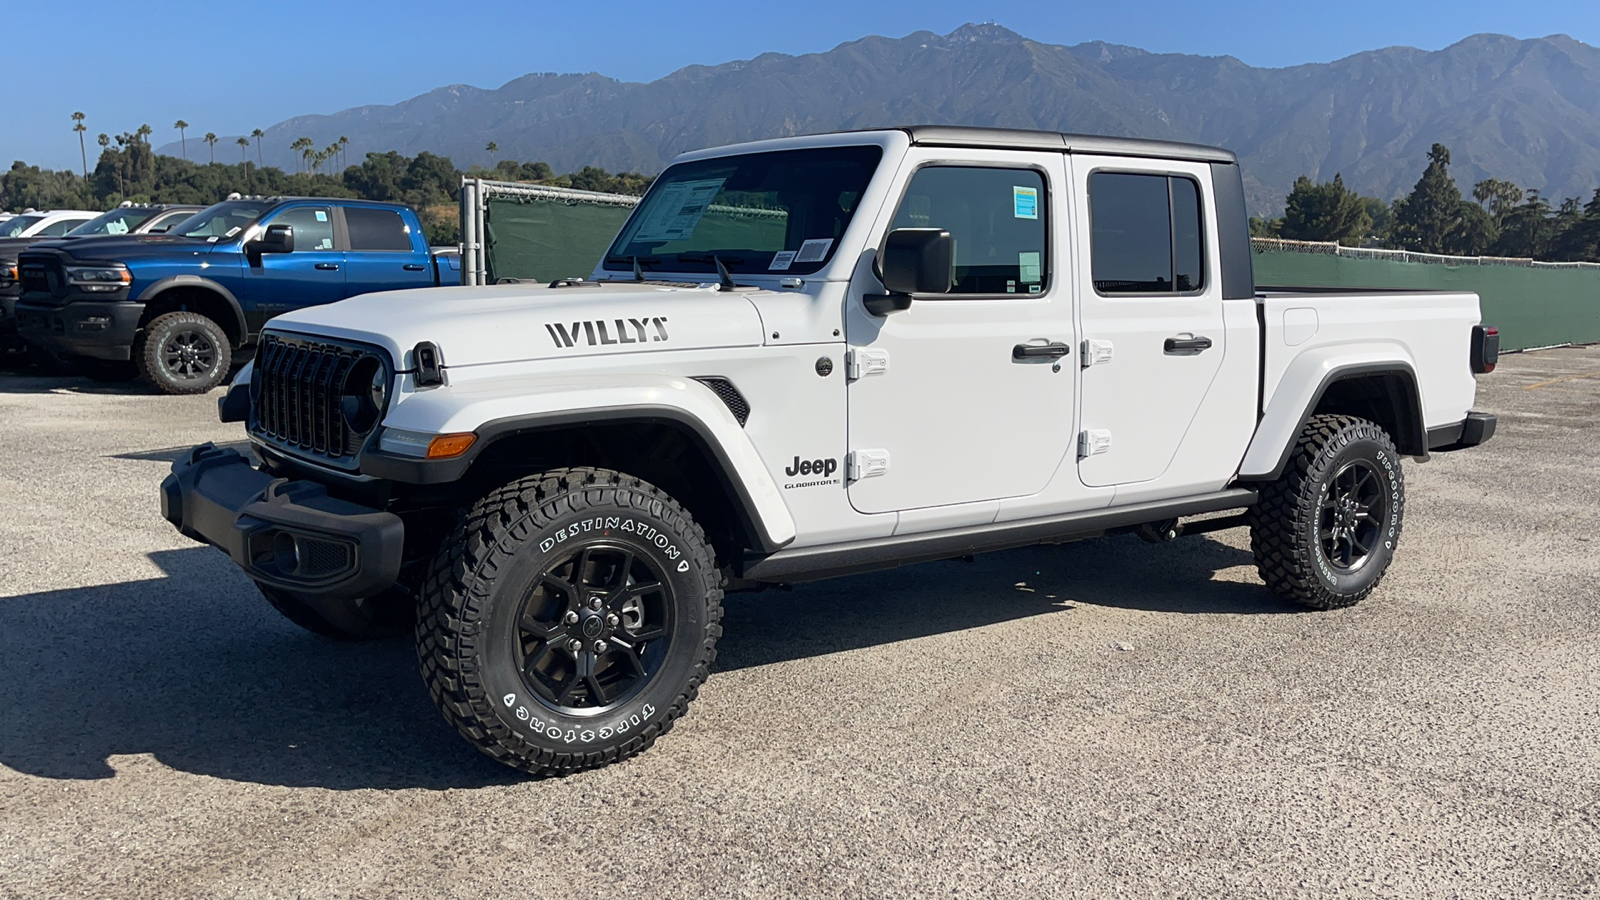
[[365, 391]]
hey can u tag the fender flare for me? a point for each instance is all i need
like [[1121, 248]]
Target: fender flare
[[524, 405], [1314, 372], [176, 281]]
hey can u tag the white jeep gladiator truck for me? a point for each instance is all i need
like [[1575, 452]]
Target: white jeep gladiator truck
[[811, 357]]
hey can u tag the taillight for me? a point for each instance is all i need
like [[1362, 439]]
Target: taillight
[[1485, 348]]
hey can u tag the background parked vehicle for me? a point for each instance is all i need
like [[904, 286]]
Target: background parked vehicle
[[136, 218], [176, 306], [16, 233]]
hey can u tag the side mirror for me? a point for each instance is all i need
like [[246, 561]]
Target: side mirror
[[913, 261], [277, 239]]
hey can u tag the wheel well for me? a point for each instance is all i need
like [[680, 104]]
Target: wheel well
[[667, 455], [1388, 398], [200, 300]]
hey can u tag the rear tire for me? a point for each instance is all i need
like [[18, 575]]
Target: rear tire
[[184, 353], [1324, 533], [570, 620]]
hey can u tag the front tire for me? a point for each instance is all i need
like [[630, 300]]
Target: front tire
[[184, 353], [570, 620], [1325, 531]]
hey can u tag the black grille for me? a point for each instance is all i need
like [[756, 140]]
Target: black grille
[[729, 395], [296, 390], [40, 274]]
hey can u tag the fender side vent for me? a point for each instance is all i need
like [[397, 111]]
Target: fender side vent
[[728, 394]]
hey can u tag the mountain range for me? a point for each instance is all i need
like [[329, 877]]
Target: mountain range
[[1527, 111]]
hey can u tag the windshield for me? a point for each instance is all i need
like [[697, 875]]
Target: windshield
[[222, 220], [762, 213], [118, 221], [15, 227]]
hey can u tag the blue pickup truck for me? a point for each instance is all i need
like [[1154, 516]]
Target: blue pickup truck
[[176, 306]]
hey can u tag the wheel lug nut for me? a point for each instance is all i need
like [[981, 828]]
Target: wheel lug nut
[[571, 618], [574, 645], [599, 646], [612, 620], [596, 603]]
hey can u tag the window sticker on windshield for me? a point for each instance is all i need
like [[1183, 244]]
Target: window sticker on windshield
[[675, 213], [116, 226], [781, 260], [322, 216], [1028, 267], [814, 250], [231, 232], [1025, 203]]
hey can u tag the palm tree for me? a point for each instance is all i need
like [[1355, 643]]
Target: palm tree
[[183, 140], [257, 135], [244, 144], [144, 133], [105, 144], [211, 138], [304, 145], [80, 128], [332, 152], [343, 142], [493, 148]]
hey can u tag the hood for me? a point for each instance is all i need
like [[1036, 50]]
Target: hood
[[516, 322], [126, 247]]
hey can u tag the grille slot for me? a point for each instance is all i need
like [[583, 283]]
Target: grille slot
[[296, 394], [728, 394]]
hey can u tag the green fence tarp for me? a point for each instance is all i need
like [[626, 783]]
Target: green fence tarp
[[1532, 306], [547, 239]]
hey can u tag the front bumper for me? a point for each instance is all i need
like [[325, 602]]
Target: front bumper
[[97, 329], [286, 534]]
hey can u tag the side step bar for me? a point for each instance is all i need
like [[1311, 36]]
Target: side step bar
[[831, 560]]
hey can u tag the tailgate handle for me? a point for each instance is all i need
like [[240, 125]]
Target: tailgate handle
[[1187, 343], [414, 267]]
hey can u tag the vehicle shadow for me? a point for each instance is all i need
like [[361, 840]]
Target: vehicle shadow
[[194, 669], [30, 382]]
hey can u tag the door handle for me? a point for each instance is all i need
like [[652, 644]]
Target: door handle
[[1036, 351], [1187, 344], [414, 267], [327, 267]]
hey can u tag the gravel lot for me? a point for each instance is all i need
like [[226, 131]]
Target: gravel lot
[[1102, 719]]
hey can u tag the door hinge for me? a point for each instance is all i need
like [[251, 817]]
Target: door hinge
[[1093, 442], [1095, 353], [859, 464], [860, 362]]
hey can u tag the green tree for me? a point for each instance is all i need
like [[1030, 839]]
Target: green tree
[[1325, 212], [1434, 219], [244, 147], [1528, 229], [183, 138], [342, 143], [493, 149], [80, 128], [258, 134], [1498, 197], [211, 141]]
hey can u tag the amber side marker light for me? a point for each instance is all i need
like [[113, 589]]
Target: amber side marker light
[[450, 446]]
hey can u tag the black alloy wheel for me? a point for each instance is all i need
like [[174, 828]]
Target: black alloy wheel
[[189, 354], [1355, 510], [594, 629]]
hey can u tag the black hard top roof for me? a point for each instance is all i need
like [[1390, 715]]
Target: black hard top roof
[[1022, 139]]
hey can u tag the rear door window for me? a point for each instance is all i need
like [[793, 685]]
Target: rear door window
[[1145, 234], [377, 230]]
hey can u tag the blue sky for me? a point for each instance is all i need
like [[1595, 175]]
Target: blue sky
[[231, 67]]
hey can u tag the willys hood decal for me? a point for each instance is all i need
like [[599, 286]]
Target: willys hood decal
[[515, 322]]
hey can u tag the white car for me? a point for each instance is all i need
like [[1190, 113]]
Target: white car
[[811, 357], [39, 225]]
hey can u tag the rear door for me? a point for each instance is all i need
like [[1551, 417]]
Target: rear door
[[313, 274], [943, 408], [384, 254], [1152, 316]]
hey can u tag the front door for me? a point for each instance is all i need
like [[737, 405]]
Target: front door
[[943, 406], [1152, 313], [313, 274]]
